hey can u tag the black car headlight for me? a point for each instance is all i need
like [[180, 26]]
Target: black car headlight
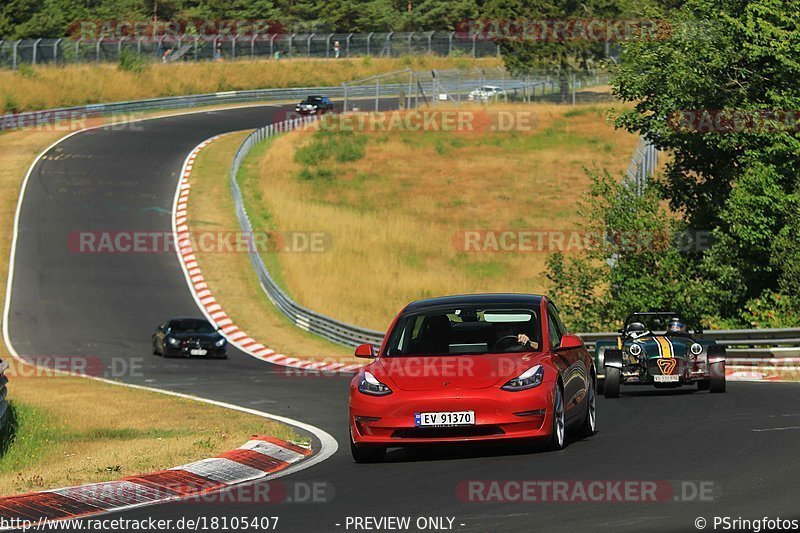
[[635, 350], [172, 341], [527, 380], [696, 349], [369, 384], [220, 343]]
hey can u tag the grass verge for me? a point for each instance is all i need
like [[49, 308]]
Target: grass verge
[[395, 202], [48, 87], [86, 431]]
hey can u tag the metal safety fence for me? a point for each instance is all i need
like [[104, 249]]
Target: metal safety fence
[[178, 48], [304, 318]]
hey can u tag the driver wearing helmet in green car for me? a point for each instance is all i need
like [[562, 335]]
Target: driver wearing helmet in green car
[[677, 327]]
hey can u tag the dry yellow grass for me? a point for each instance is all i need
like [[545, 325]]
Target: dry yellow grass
[[81, 430], [392, 215], [230, 276], [48, 87]]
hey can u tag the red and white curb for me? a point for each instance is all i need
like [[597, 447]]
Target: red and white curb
[[775, 369], [205, 299], [259, 458]]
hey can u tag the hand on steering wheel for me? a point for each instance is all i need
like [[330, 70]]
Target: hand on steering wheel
[[519, 340]]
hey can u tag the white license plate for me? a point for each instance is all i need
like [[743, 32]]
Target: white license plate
[[198, 351], [667, 379], [445, 419]]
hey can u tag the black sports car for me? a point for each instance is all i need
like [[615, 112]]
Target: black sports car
[[314, 105], [187, 337]]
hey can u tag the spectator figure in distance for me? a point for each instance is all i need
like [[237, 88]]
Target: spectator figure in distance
[[336, 49], [218, 53]]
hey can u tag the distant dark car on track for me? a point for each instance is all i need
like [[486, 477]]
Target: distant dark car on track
[[657, 349], [314, 105], [189, 337], [478, 367]]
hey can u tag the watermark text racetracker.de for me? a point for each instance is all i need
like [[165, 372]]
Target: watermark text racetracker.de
[[456, 121], [82, 365], [277, 492], [121, 30], [566, 241], [564, 30], [753, 121], [67, 120], [148, 242], [584, 491]]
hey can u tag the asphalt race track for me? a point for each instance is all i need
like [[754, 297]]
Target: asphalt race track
[[64, 303]]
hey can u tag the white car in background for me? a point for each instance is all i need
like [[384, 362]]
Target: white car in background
[[486, 93]]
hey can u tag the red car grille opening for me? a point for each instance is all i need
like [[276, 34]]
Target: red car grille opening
[[444, 433]]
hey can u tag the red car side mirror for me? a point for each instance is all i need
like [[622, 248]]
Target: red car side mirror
[[569, 342], [365, 351]]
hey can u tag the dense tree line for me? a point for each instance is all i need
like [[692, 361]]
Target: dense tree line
[[52, 18]]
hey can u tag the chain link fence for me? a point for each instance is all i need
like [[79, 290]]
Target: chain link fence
[[415, 88], [218, 48]]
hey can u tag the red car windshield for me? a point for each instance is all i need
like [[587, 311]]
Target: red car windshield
[[465, 331]]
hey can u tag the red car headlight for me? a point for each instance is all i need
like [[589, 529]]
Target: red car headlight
[[527, 380], [369, 384]]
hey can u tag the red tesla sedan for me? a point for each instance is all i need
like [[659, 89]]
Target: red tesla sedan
[[475, 367]]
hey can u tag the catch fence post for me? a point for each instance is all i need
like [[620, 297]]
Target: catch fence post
[[35, 47]]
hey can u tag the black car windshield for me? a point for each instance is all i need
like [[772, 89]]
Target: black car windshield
[[191, 325], [465, 330]]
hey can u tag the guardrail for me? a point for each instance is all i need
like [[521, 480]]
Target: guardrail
[[302, 317], [3, 393], [376, 91], [52, 116]]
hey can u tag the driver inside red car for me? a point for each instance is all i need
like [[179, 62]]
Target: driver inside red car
[[523, 340]]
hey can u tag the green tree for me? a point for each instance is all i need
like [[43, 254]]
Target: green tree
[[739, 180], [442, 14], [636, 259]]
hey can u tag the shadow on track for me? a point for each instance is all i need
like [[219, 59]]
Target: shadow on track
[[470, 450]]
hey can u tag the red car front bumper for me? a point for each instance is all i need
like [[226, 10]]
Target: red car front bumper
[[389, 420]]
